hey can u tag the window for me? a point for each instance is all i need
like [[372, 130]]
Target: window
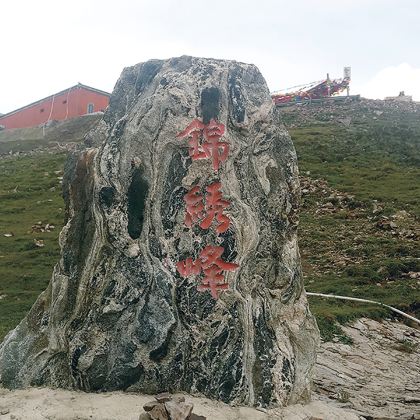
[[42, 110], [90, 108], [65, 101]]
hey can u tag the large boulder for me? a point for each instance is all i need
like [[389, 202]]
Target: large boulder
[[180, 267]]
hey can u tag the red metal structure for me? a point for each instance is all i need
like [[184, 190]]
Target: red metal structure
[[315, 90], [69, 103]]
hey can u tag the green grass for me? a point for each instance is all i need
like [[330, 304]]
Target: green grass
[[30, 192], [372, 160], [379, 163]]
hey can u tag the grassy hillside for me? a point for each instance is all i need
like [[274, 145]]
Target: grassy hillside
[[30, 198], [359, 229], [57, 133], [360, 206]]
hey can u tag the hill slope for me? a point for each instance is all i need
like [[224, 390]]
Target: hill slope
[[56, 134], [360, 167], [359, 228]]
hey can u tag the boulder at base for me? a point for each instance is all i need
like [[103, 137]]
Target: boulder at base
[[179, 268]]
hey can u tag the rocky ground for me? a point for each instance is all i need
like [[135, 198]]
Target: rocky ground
[[346, 113], [320, 199], [377, 377], [43, 403]]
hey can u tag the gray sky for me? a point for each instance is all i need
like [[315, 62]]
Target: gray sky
[[49, 45]]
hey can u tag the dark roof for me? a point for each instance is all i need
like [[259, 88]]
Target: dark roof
[[79, 85]]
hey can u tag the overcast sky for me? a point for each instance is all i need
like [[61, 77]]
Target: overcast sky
[[49, 45]]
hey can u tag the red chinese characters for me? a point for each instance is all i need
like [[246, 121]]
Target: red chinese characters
[[196, 211], [214, 208], [211, 263], [207, 209], [204, 141], [188, 267], [195, 206]]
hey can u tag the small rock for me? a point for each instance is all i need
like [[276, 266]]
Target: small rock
[[196, 417], [9, 234], [144, 416], [178, 410], [150, 405], [159, 413], [4, 411], [401, 214], [163, 397], [39, 244]]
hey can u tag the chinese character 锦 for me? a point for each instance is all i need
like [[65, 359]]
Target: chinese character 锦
[[210, 147]]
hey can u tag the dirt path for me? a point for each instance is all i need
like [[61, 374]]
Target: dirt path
[[44, 403]]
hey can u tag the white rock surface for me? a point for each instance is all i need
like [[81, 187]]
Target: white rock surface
[[379, 375]]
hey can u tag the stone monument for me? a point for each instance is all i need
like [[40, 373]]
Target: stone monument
[[179, 268]]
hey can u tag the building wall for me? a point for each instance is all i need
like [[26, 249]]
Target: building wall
[[72, 103]]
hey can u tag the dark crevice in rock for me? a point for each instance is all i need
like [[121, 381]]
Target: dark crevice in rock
[[107, 196], [210, 104], [137, 193], [264, 361], [173, 193], [78, 351]]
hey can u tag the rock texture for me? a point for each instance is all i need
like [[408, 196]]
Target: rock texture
[[378, 375], [117, 315]]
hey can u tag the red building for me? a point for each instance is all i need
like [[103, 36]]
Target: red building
[[72, 102]]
